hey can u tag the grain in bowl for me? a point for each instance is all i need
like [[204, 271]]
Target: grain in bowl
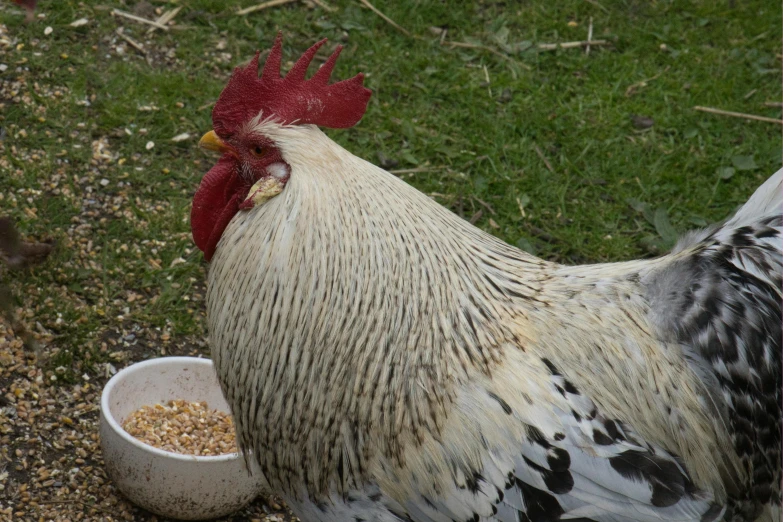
[[185, 427]]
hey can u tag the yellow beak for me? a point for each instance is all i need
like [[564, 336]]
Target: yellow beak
[[211, 141]]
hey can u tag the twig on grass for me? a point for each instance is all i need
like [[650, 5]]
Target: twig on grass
[[484, 204], [589, 37], [262, 6], [632, 88], [117, 12], [543, 158], [604, 9], [386, 18], [541, 234], [165, 18], [570, 45], [323, 5], [466, 45], [417, 170], [743, 115], [133, 43]]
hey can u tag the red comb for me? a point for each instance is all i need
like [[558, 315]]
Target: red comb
[[290, 99]]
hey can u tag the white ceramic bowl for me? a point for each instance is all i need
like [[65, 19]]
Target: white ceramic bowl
[[186, 487]]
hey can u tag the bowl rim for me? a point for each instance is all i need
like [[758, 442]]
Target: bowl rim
[[112, 422]]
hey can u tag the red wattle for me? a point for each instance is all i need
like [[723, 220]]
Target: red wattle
[[214, 204], [225, 217]]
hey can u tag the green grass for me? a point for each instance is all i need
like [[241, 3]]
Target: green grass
[[614, 191]]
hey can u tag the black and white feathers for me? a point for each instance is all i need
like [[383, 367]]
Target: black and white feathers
[[721, 299], [387, 361]]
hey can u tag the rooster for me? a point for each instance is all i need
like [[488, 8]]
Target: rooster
[[385, 360]]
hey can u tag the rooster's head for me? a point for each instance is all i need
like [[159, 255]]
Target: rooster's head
[[252, 168]]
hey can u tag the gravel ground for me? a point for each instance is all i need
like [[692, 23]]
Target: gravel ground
[[51, 376], [52, 467]]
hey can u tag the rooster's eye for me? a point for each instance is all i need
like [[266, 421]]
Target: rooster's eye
[[258, 151]]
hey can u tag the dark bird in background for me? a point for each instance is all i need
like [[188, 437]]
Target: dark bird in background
[[17, 255], [29, 6]]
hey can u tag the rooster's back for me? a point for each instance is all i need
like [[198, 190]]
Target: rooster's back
[[720, 299]]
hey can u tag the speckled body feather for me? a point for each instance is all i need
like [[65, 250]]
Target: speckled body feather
[[387, 361]]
